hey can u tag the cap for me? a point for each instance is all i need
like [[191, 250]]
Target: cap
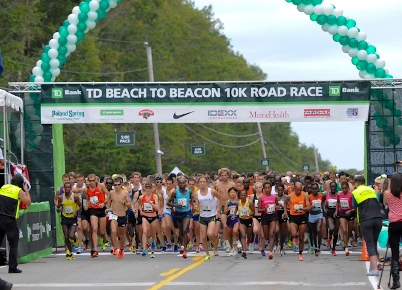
[[158, 177], [148, 184]]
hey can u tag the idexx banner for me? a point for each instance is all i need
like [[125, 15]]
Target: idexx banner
[[204, 102]]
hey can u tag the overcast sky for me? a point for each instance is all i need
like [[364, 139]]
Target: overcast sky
[[287, 45]]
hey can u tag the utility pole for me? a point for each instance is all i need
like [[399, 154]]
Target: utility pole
[[158, 158], [316, 159], [264, 153]]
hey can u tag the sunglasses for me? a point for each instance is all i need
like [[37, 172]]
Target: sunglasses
[[117, 184], [109, 183], [159, 182]]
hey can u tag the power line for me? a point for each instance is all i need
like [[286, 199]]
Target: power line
[[223, 145], [226, 134]]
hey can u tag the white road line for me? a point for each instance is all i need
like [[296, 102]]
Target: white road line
[[77, 285], [372, 279]]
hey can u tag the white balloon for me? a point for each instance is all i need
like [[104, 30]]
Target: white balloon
[[333, 29], [380, 63], [37, 71], [325, 27], [56, 35], [362, 54], [371, 58], [346, 48], [71, 39], [54, 63], [352, 33], [309, 9], [398, 130], [71, 47], [53, 43], [39, 63], [338, 12], [112, 4], [94, 5], [300, 7], [386, 71], [342, 30], [72, 29], [361, 36], [55, 71], [328, 10], [90, 24], [353, 52], [68, 53], [73, 19], [369, 76], [39, 79], [319, 9], [362, 73], [53, 53], [76, 10], [92, 15], [86, 30]]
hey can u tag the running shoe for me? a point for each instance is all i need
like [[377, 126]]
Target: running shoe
[[300, 257], [201, 247], [104, 247], [176, 250], [251, 248], [275, 248], [333, 253], [207, 258], [228, 250], [144, 253], [197, 249], [239, 250], [238, 244], [132, 249], [263, 253], [244, 255], [234, 252], [311, 250], [270, 255], [168, 248], [79, 250], [72, 248], [338, 243], [317, 252], [347, 253], [100, 241], [95, 254], [295, 248], [342, 245], [107, 244], [121, 254], [184, 255], [115, 251], [153, 245], [290, 243], [216, 253], [328, 243], [163, 249], [283, 253], [152, 255], [373, 272], [189, 246], [181, 249], [69, 257]]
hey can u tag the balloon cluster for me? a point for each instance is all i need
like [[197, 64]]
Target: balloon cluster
[[82, 19], [364, 57]]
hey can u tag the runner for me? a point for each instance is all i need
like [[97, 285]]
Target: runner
[[117, 203], [68, 204], [282, 218], [331, 205], [81, 232], [257, 229], [180, 199], [246, 210], [317, 201], [233, 224], [298, 205], [346, 214], [207, 202], [167, 220], [194, 222], [159, 190]]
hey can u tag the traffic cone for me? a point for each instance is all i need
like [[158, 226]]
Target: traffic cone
[[364, 256]]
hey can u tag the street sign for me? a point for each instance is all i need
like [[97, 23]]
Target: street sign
[[198, 150], [265, 162], [125, 138], [306, 167]]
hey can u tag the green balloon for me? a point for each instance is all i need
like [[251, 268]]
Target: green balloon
[[62, 50], [295, 2], [101, 14], [376, 93], [362, 45], [45, 57], [66, 23], [45, 66], [63, 31], [361, 65], [344, 40], [383, 97], [84, 7], [331, 19], [82, 16], [377, 116], [396, 140], [289, 1], [380, 123], [104, 4], [353, 42], [341, 20], [46, 48], [371, 49], [62, 59], [62, 40], [355, 60], [47, 75], [388, 104], [389, 77], [350, 23], [399, 122], [321, 19], [371, 68], [31, 78], [316, 2], [81, 26], [398, 113], [118, 1], [378, 56], [80, 36], [313, 17], [336, 37]]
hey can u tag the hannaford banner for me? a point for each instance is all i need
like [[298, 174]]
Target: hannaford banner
[[241, 102]]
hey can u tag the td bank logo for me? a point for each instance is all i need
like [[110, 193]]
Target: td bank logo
[[57, 93], [334, 91]]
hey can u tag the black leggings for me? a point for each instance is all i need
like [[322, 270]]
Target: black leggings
[[371, 229], [394, 237]]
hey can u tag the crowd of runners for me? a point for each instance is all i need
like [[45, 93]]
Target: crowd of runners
[[227, 211]]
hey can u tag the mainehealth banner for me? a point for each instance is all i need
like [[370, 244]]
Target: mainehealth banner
[[242, 102]]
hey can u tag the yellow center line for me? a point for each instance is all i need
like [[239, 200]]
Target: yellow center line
[[170, 272], [177, 275]]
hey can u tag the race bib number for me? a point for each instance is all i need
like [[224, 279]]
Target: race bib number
[[68, 209], [317, 203], [281, 203], [182, 201], [344, 203], [332, 203], [232, 210], [244, 212], [298, 207], [270, 209], [113, 217], [84, 202], [206, 207], [94, 200], [147, 207], [256, 203]]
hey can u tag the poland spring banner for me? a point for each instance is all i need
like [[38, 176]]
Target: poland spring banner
[[66, 103]]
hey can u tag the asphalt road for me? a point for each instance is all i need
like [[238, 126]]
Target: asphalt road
[[170, 271]]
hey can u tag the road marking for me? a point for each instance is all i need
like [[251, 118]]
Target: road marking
[[285, 283], [77, 285], [175, 276], [372, 279], [170, 272]]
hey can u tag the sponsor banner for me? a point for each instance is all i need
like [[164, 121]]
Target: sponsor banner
[[341, 111]]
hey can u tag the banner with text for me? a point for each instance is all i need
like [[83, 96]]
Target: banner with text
[[204, 102]]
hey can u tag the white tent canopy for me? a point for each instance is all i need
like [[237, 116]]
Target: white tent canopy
[[176, 170], [10, 102]]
